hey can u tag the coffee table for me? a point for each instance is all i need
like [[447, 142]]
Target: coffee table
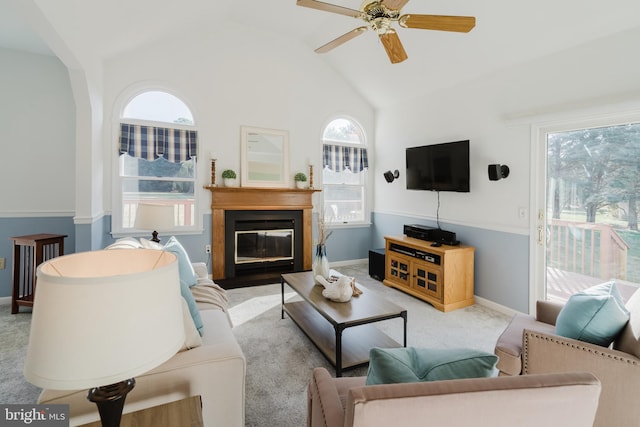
[[342, 331]]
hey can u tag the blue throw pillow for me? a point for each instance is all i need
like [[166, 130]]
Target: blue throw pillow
[[595, 315], [187, 273], [410, 365], [187, 279]]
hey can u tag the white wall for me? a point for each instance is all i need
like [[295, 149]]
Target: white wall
[[230, 76], [496, 114], [36, 135]]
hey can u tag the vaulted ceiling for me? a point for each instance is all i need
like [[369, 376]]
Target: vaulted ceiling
[[507, 33]]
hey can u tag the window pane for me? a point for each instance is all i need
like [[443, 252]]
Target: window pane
[[177, 192], [134, 192], [343, 203], [344, 191], [132, 166], [158, 107], [344, 177], [343, 130]]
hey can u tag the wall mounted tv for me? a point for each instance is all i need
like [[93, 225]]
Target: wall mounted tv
[[439, 167]]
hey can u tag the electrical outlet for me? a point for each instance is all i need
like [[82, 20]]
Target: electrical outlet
[[207, 249], [2, 263]]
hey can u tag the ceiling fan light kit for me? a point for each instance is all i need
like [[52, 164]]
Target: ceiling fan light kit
[[379, 15]]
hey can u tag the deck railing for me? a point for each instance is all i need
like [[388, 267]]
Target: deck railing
[[595, 250]]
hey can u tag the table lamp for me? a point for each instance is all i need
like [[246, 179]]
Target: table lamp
[[102, 317], [154, 217]]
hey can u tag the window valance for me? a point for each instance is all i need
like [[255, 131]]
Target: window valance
[[338, 158], [150, 142]]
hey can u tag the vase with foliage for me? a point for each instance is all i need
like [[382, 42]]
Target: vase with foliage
[[320, 265], [229, 178], [301, 180]]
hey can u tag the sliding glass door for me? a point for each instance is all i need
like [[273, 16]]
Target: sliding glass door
[[587, 213]]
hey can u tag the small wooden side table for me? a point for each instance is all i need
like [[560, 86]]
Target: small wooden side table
[[181, 413], [28, 253]]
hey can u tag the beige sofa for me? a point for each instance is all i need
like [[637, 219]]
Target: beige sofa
[[567, 400], [215, 370], [529, 345]]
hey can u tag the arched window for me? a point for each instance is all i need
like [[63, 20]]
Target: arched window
[[344, 172], [157, 148]]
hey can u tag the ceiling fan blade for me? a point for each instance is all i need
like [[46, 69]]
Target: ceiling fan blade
[[461, 24], [393, 46], [328, 7], [395, 4], [340, 40]]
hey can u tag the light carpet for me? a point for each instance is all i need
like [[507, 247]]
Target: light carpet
[[279, 356]]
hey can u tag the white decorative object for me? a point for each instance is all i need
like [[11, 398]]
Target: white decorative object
[[320, 264], [339, 291]]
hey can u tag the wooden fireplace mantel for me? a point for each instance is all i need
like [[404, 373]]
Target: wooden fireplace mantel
[[250, 198]]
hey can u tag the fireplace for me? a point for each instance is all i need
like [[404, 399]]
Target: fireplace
[[272, 227], [261, 245]]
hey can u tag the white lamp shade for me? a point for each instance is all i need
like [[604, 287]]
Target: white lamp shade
[[101, 317], [154, 217]]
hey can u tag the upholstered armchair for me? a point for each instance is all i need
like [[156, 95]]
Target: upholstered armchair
[[567, 399], [529, 345]]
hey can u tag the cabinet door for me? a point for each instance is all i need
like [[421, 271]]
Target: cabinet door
[[398, 269], [427, 280]]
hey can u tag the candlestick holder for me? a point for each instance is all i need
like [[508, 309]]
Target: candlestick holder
[[213, 172], [311, 177]]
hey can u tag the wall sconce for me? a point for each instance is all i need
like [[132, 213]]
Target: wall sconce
[[390, 176], [497, 172]]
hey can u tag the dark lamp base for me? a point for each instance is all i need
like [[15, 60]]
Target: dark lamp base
[[154, 237], [110, 401]]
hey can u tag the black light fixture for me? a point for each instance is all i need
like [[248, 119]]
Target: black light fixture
[[390, 176], [497, 172]]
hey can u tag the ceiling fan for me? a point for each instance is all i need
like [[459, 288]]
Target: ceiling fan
[[378, 15]]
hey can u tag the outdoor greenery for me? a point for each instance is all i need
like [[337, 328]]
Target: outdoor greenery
[[164, 176], [597, 168]]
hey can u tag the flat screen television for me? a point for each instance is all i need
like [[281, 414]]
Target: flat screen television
[[439, 167]]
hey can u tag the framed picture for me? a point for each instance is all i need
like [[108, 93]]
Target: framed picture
[[264, 157]]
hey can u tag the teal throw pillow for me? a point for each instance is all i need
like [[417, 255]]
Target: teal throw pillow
[[410, 365], [187, 273], [595, 315], [187, 279]]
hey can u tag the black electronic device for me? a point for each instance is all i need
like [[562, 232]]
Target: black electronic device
[[415, 253], [419, 231], [376, 264], [438, 167], [446, 237], [430, 234]]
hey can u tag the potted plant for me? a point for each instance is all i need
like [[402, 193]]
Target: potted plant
[[300, 179], [229, 177]]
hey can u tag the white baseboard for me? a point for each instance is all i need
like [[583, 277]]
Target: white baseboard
[[349, 262], [495, 306], [5, 300]]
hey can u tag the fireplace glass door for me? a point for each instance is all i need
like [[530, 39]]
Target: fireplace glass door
[[255, 246]]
